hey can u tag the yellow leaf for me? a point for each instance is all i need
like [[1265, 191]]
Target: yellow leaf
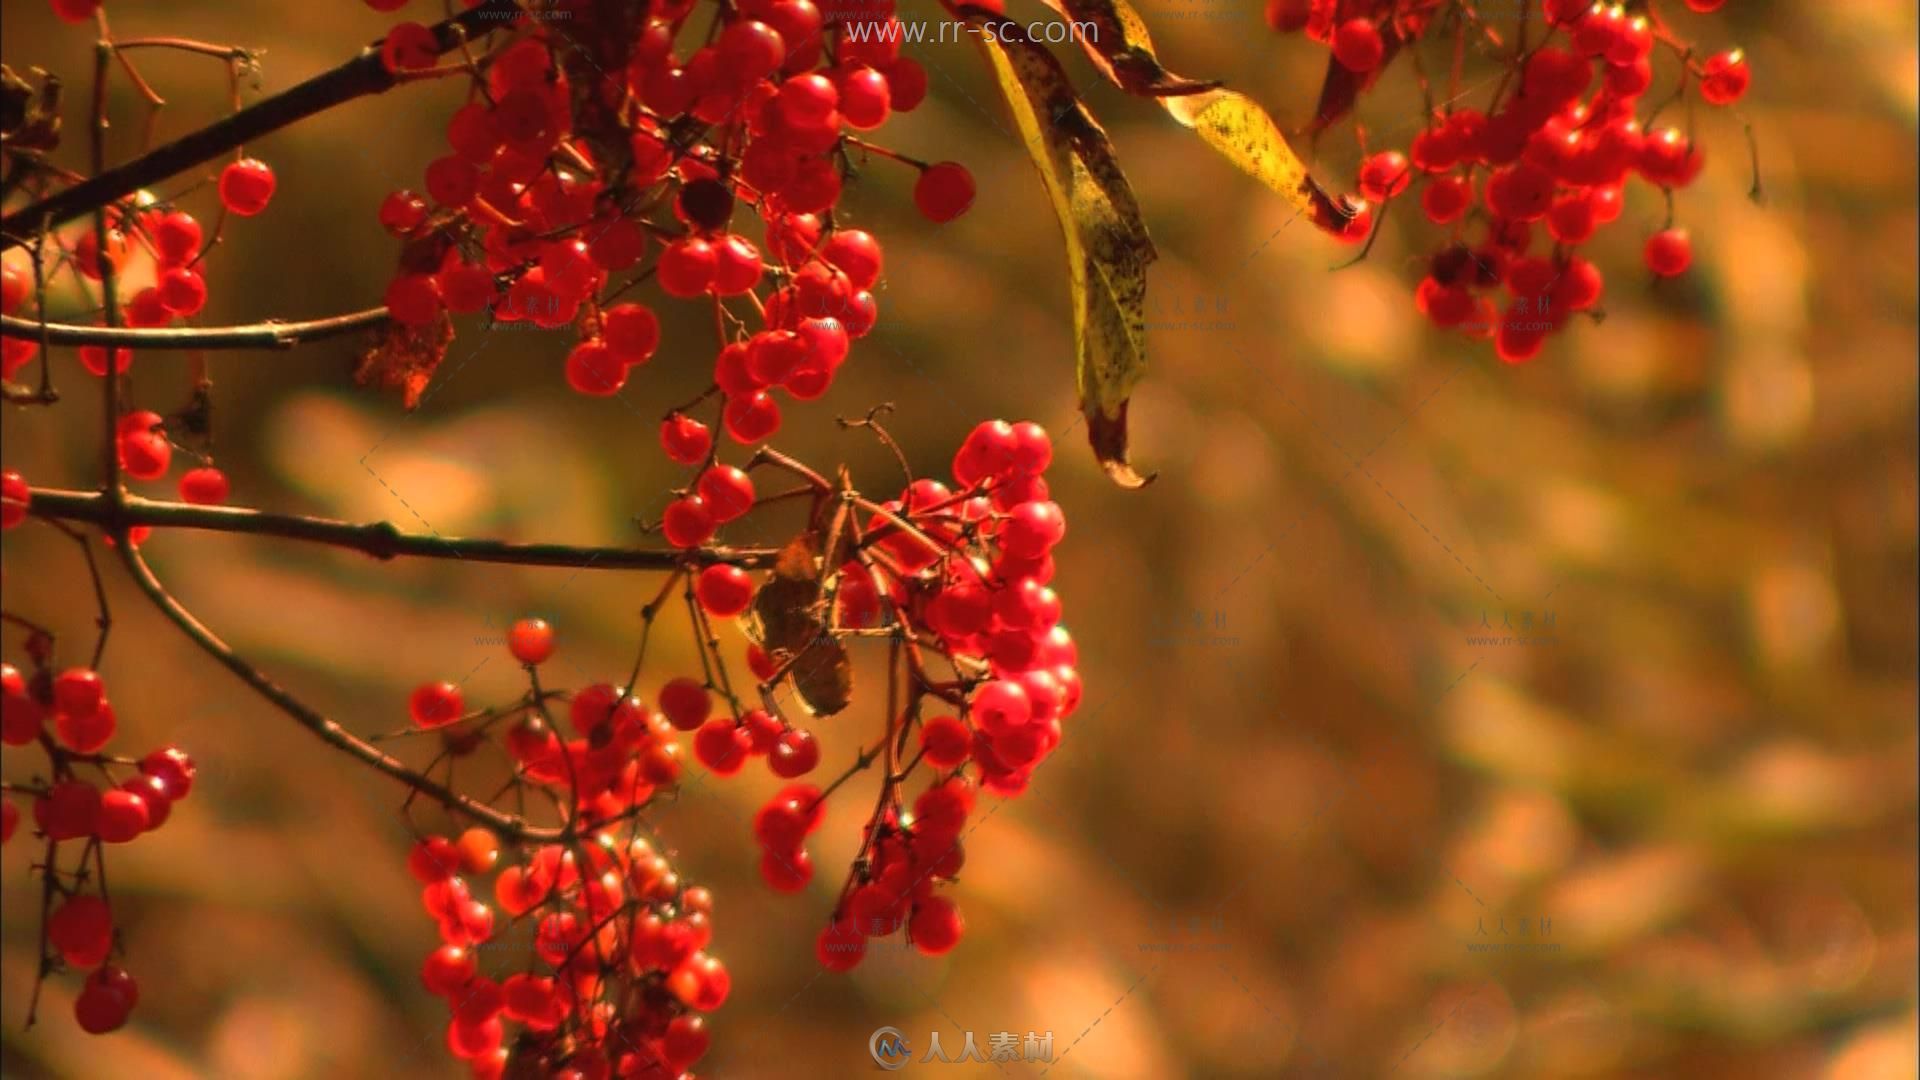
[[1228, 121], [1108, 249]]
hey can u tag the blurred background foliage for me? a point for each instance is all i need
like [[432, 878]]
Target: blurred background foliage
[[1303, 786]]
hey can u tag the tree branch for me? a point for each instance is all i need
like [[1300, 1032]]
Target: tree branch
[[507, 825], [358, 77], [271, 334], [379, 539]]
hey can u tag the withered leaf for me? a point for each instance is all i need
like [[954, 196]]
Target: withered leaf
[[1108, 249], [785, 620], [404, 358]]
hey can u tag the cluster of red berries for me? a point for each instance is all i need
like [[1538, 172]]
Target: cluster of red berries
[[69, 717], [961, 573], [619, 971], [1551, 153], [580, 128], [146, 241]]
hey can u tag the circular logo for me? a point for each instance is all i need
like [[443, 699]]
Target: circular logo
[[888, 1045]]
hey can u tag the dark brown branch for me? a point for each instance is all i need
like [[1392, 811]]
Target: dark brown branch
[[358, 77], [266, 335], [380, 539], [329, 730]]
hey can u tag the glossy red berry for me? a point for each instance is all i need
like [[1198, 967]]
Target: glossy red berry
[[751, 418], [685, 439], [687, 523], [685, 703], [722, 746], [176, 237], [530, 640], [687, 267], [204, 486], [246, 186], [724, 591], [435, 705], [174, 768], [82, 929], [1385, 175], [936, 925], [728, 492], [408, 46], [1669, 252], [840, 946], [68, 810], [595, 370], [1357, 45], [15, 499], [1724, 77], [122, 816], [796, 754], [101, 1009], [944, 191]]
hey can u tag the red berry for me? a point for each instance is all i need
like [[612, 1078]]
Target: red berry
[[946, 741], [795, 755], [728, 492], [78, 691], [752, 417], [413, 299], [687, 523], [409, 46], [944, 191], [75, 11], [100, 1009], [402, 212], [246, 186], [840, 946], [1357, 45], [786, 871], [722, 746], [447, 969], [1724, 77], [82, 929], [1446, 198], [530, 640], [15, 498], [685, 439], [153, 792], [685, 703], [176, 237], [724, 591], [123, 816], [687, 267], [936, 925], [85, 732], [595, 370], [9, 820], [1669, 252], [68, 810], [204, 486], [856, 254], [1385, 175], [174, 768], [435, 705]]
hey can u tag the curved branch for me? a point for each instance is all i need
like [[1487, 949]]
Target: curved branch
[[507, 825], [271, 334], [358, 77], [380, 539]]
